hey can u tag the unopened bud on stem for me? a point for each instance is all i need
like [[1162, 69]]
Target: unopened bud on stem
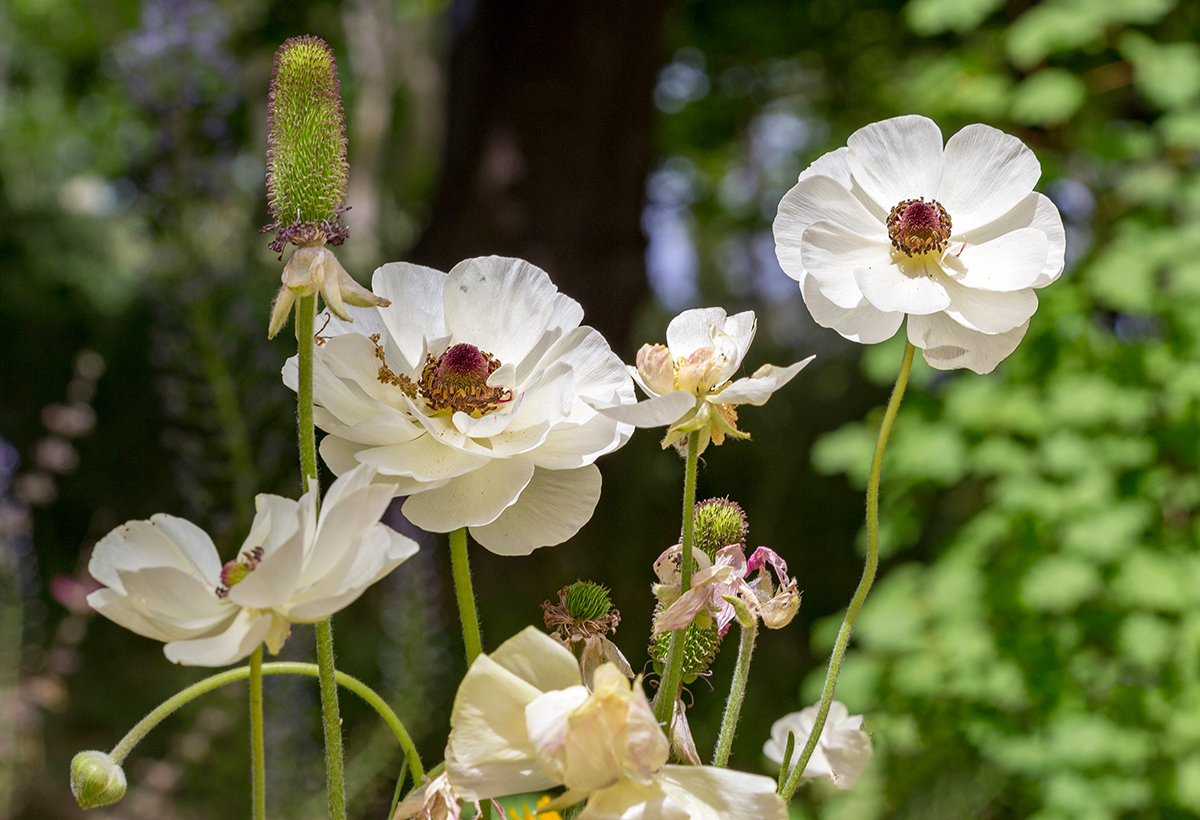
[[96, 780]]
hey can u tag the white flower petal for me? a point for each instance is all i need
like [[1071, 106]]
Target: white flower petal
[[1008, 263], [834, 165], [551, 508], [985, 174], [163, 541], [947, 345], [378, 552], [864, 323], [570, 446], [174, 596], [653, 412], [344, 521], [390, 426], [424, 458], [758, 387], [244, 634], [538, 659], [274, 579], [599, 373], [1038, 212], [987, 311], [897, 159], [693, 329], [129, 613], [473, 499], [483, 298], [631, 800], [818, 199], [416, 310], [546, 722], [911, 286], [722, 794], [833, 253]]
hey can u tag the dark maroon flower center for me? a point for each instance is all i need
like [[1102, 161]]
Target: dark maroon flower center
[[916, 227], [457, 380]]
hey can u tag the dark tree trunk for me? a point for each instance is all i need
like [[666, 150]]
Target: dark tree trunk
[[548, 144]]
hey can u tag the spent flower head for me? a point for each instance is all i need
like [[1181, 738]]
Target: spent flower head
[[582, 620]]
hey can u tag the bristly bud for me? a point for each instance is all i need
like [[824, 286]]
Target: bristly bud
[[96, 780], [719, 523], [700, 646], [306, 146], [587, 601]]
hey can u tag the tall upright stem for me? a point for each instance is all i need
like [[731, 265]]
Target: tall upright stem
[[788, 787], [461, 569], [672, 680], [737, 693], [335, 777], [258, 770]]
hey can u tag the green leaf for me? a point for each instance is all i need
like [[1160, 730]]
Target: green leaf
[[1168, 74], [934, 16], [1049, 97], [1059, 583]]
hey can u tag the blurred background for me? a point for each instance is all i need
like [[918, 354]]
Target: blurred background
[[1032, 649]]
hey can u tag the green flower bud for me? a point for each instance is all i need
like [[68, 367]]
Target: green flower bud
[[306, 146], [586, 601], [700, 645], [719, 523], [745, 617], [96, 780]]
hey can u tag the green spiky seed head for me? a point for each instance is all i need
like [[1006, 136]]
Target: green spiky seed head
[[587, 601], [719, 523], [306, 141], [700, 647]]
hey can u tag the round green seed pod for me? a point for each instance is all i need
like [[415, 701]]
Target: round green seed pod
[[587, 601], [700, 647], [719, 523]]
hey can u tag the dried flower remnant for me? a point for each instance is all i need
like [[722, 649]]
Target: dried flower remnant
[[583, 617]]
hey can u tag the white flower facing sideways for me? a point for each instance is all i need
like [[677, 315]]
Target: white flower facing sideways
[[523, 721], [954, 238], [164, 580], [689, 380], [842, 751], [472, 394]]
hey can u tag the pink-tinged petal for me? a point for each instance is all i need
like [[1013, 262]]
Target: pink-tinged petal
[[948, 345], [819, 199], [709, 793], [471, 500], [897, 159], [985, 174], [243, 635], [833, 253], [987, 311], [416, 310], [1008, 263], [693, 330], [683, 611], [763, 556], [758, 387], [911, 286], [655, 412], [864, 323], [483, 296], [551, 508], [1039, 213]]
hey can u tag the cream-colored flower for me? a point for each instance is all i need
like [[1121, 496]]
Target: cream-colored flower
[[954, 238], [690, 379], [842, 751], [163, 579], [472, 395], [523, 721]]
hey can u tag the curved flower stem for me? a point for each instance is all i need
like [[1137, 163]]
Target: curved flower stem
[[672, 678], [335, 777], [461, 568], [788, 787], [737, 693], [167, 707], [258, 769]]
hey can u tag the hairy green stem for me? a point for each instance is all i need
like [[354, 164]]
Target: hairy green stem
[[737, 693], [672, 679], [258, 759], [461, 568], [306, 310], [167, 707], [787, 787]]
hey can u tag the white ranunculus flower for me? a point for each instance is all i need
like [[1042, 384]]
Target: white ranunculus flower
[[842, 751], [164, 580], [690, 379], [954, 238], [523, 721], [472, 394]]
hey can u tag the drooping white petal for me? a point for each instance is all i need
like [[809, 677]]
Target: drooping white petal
[[987, 311], [709, 793], [813, 200], [538, 659], [693, 330], [552, 507], [237, 641], [758, 387], [416, 311], [482, 297], [473, 499], [865, 323], [985, 174], [1038, 212], [378, 552], [345, 520], [127, 612], [424, 458], [653, 412], [947, 345], [1013, 261], [897, 159], [832, 254], [742, 328], [175, 596], [163, 541], [910, 286]]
